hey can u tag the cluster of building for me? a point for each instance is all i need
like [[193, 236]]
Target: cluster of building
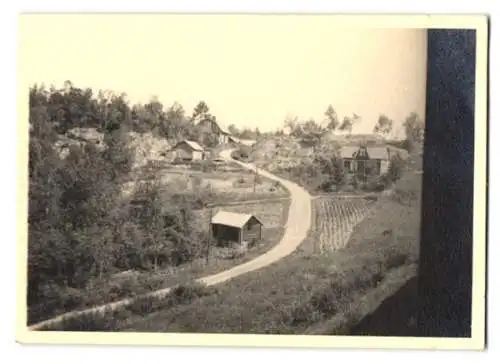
[[243, 229], [189, 150]]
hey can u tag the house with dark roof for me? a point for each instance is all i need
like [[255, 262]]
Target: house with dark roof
[[366, 160], [210, 126], [231, 227], [188, 151]]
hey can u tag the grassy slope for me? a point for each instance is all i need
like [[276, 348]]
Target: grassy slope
[[305, 288]]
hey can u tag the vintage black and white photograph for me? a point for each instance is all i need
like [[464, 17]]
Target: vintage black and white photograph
[[229, 174]]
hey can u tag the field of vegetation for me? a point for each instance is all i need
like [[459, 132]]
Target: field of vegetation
[[335, 219]]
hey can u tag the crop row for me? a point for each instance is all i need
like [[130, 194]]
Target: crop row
[[335, 220]]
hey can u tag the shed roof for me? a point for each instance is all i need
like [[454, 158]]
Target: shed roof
[[233, 219], [193, 145]]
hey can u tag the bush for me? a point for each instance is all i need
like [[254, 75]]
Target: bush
[[396, 168], [95, 322], [189, 292], [242, 154], [376, 185], [325, 300]]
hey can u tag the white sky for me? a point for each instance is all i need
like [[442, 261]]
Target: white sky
[[251, 70]]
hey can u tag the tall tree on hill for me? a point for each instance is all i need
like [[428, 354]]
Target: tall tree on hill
[[383, 126], [331, 118], [154, 116], [201, 112], [176, 125]]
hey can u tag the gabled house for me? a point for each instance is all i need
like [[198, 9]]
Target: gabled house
[[366, 160], [188, 151], [209, 126], [231, 227]]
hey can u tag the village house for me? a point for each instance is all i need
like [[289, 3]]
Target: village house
[[231, 227], [209, 126], [188, 151], [366, 160]]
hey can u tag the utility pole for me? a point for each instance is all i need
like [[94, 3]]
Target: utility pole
[[255, 179], [209, 236]]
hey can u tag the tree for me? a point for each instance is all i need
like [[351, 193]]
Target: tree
[[332, 169], [311, 127], [247, 133], [175, 124], [414, 130], [331, 118], [395, 168], [292, 124], [346, 124], [201, 112], [233, 130], [383, 126]]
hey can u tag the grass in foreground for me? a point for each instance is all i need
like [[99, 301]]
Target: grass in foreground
[[304, 288]]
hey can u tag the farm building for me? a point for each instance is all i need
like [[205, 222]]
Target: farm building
[[188, 150], [366, 160], [209, 126], [230, 227]]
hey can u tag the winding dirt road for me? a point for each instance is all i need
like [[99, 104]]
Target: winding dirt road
[[296, 229]]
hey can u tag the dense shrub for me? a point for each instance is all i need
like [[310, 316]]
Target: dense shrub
[[376, 185], [243, 154]]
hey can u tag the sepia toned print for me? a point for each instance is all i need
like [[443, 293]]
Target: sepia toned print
[[261, 184]]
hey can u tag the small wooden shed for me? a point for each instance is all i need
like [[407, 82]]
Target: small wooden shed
[[231, 227], [189, 150]]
